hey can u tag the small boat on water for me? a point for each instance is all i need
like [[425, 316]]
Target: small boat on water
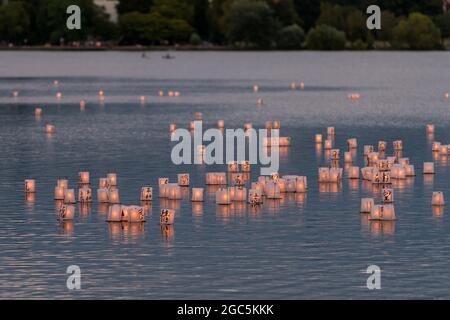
[[168, 56]]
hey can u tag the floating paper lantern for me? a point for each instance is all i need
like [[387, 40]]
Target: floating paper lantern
[[112, 179], [436, 146], [318, 138], [167, 217], [82, 104], [233, 166], [223, 197], [383, 165], [114, 213], [245, 166], [334, 154], [391, 161], [275, 176], [443, 149], [272, 190], [428, 167], [430, 128], [38, 112], [282, 185], [403, 161], [367, 173], [398, 145], [237, 179], [142, 99], [58, 95], [49, 128], [176, 94], [135, 214], [221, 124], [373, 157], [446, 95], [330, 131], [368, 149], [240, 194], [146, 194], [255, 197], [382, 146], [387, 195], [268, 125], [290, 182], [335, 174], [183, 179], [259, 102], [382, 212], [255, 88], [216, 178], [247, 126], [324, 174], [66, 212], [85, 195], [30, 185], [352, 143], [353, 96], [63, 183], [276, 124], [113, 196], [83, 177], [102, 195], [409, 170], [381, 177], [328, 144], [103, 183], [161, 93], [197, 194], [366, 205], [301, 184], [348, 157], [69, 196], [172, 127], [198, 116], [437, 198], [174, 192], [15, 94], [353, 173], [59, 193], [398, 172]]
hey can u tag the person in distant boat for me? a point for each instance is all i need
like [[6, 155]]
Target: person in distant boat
[[168, 56]]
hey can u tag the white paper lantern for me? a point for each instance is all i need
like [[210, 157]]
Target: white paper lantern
[[276, 124], [335, 174], [335, 154], [216, 178], [167, 217], [233, 166], [382, 146], [382, 212], [197, 194], [330, 131], [146, 193], [113, 196], [245, 166], [49, 128], [172, 127], [272, 190], [387, 195], [102, 195], [383, 165], [368, 149], [231, 192], [328, 144], [436, 146], [183, 179], [366, 205], [409, 170], [348, 157], [85, 195], [381, 177], [223, 197], [114, 213], [112, 179], [398, 172], [352, 143], [63, 183], [367, 173], [428, 167], [255, 197], [437, 198], [69, 196], [255, 88], [66, 212], [174, 192], [257, 186], [30, 186], [318, 138], [59, 193], [373, 157], [301, 184], [353, 172], [135, 214], [324, 174], [443, 149], [240, 194], [83, 177], [430, 128], [398, 145]]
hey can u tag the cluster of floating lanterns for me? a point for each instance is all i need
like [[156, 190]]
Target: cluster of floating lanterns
[[170, 94]]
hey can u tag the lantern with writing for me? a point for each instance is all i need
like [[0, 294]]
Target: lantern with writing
[[30, 185], [66, 212], [383, 165], [113, 196], [245, 166], [102, 195], [255, 197], [382, 212], [353, 172], [136, 214], [84, 194], [368, 149], [223, 196], [437, 199], [237, 179], [233, 166], [112, 179], [382, 146], [146, 193], [197, 194], [366, 205], [335, 154], [69, 196], [398, 145], [183, 179], [103, 183], [272, 190], [352, 143], [367, 173], [114, 213], [387, 195], [428, 167], [335, 174], [167, 217], [324, 174], [436, 146]]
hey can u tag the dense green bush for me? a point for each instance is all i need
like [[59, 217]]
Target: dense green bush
[[291, 37], [195, 39], [14, 22], [417, 32], [324, 37]]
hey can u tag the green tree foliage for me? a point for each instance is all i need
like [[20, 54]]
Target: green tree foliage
[[417, 32], [325, 37], [389, 21], [442, 21], [284, 12], [251, 23], [308, 11], [14, 22], [291, 37], [201, 21], [126, 6]]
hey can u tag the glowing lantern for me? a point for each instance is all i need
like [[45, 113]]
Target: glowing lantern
[[387, 195], [142, 99], [324, 174], [382, 146], [328, 144], [383, 165], [58, 95], [409, 170], [301, 184], [114, 213], [368, 149], [318, 138], [197, 194], [259, 187], [146, 194], [174, 192], [83, 177], [220, 124], [275, 176], [403, 161], [66, 212], [59, 193], [216, 178], [233, 166], [85, 195], [259, 102], [240, 194], [335, 154], [161, 93], [437, 198], [223, 197], [446, 95], [353, 173], [245, 166], [353, 96], [398, 172], [63, 183], [268, 125], [135, 214], [330, 131], [290, 182], [398, 145], [255, 88], [82, 104], [247, 126], [30, 185], [443, 149], [254, 197], [112, 179], [102, 195], [272, 190], [382, 212], [367, 173], [428, 167], [282, 185], [352, 143], [302, 85], [366, 205], [113, 196], [198, 116], [167, 217], [69, 196], [381, 177], [430, 128], [38, 112], [436, 146], [15, 94], [183, 179], [49, 128], [276, 124], [373, 157], [103, 183], [335, 174], [348, 157]]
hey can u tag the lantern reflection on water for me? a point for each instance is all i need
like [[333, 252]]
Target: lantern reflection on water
[[114, 213], [318, 138], [102, 195]]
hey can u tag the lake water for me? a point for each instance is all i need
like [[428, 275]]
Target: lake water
[[316, 245]]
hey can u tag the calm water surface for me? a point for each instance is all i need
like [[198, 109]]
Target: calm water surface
[[316, 245]]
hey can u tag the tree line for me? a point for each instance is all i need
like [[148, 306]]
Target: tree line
[[249, 24]]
